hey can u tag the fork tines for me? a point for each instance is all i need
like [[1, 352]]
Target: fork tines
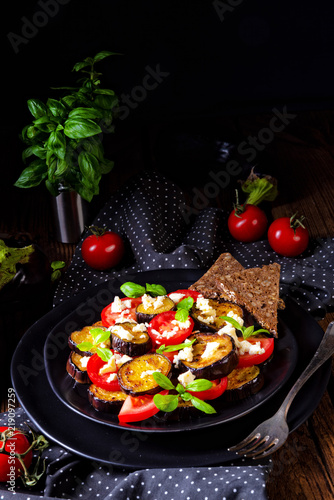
[[255, 447]]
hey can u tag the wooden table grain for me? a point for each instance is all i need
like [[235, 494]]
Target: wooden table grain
[[302, 158]]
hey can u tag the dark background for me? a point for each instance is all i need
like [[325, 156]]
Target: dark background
[[223, 59]]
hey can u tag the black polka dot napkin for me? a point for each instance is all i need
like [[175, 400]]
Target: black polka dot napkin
[[163, 230]]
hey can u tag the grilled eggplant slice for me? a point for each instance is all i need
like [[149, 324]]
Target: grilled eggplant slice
[[209, 321], [243, 382], [76, 367], [150, 307], [106, 401], [214, 356], [135, 376], [84, 335], [131, 339]]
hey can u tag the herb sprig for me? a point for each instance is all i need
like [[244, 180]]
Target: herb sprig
[[246, 331], [169, 402], [133, 290], [171, 348], [183, 308], [99, 336]]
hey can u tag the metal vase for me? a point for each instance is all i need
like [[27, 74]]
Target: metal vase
[[71, 214]]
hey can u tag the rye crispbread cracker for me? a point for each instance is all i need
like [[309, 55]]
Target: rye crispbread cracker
[[257, 289], [226, 264]]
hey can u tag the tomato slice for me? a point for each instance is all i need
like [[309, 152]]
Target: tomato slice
[[162, 330], [255, 359], [186, 293], [218, 387], [108, 317], [95, 363], [138, 408]]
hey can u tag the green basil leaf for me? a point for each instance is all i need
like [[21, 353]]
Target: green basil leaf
[[52, 187], [186, 303], [177, 347], [57, 264], [57, 144], [162, 380], [255, 332], [89, 166], [166, 402], [186, 396], [85, 346], [106, 166], [132, 290], [80, 128], [36, 150], [181, 315], [99, 335], [103, 54], [201, 384], [57, 108], [81, 112], [106, 102], [180, 389], [104, 353], [80, 65], [104, 91], [85, 192], [155, 290], [202, 405], [33, 175], [232, 321], [248, 332], [36, 107]]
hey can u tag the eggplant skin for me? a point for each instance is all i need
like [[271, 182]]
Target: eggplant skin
[[221, 308], [135, 378], [219, 364], [146, 315], [139, 345], [74, 369], [105, 401], [84, 335], [243, 382], [184, 411]]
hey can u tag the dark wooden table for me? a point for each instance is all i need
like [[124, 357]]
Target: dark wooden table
[[301, 156]]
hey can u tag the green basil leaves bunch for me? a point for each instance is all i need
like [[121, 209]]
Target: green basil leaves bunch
[[64, 138]]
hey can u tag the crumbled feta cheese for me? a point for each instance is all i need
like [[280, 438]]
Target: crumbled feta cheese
[[110, 366], [248, 347], [140, 327], [208, 313], [181, 324], [176, 297], [154, 302], [237, 318], [121, 359], [186, 378], [207, 319], [186, 354], [210, 349], [119, 305], [112, 377], [84, 360], [122, 332]]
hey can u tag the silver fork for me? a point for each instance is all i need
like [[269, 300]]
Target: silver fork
[[272, 433]]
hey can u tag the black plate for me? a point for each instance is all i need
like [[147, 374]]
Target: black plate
[[276, 373], [132, 449]]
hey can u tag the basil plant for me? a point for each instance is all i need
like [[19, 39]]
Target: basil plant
[[65, 137]]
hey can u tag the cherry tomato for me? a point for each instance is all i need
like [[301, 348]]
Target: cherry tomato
[[256, 359], [287, 236], [138, 408], [218, 387], [102, 250], [108, 317], [94, 365], [247, 223], [16, 442], [163, 330]]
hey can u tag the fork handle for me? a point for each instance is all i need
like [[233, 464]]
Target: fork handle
[[324, 352]]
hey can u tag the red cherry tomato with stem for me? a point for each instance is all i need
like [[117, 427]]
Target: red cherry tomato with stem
[[288, 236], [16, 442], [103, 249], [247, 223]]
